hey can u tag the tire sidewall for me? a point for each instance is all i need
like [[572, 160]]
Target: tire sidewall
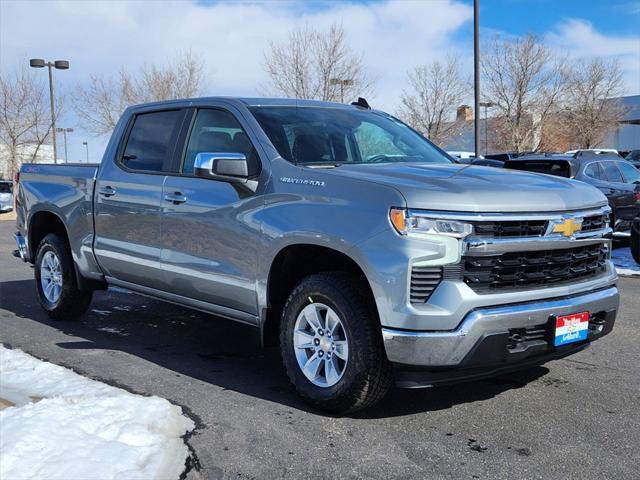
[[355, 369], [635, 240], [53, 244]]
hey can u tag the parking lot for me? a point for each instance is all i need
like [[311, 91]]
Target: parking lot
[[572, 418]]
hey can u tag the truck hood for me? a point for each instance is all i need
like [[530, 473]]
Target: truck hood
[[472, 188]]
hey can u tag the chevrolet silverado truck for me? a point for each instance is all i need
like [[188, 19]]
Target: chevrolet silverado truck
[[342, 235]]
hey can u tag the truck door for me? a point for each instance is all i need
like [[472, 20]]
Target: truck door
[[128, 238], [210, 233]]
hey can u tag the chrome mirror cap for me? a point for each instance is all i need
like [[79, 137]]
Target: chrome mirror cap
[[221, 166]]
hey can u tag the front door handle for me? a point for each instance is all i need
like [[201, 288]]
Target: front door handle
[[175, 198], [107, 191]]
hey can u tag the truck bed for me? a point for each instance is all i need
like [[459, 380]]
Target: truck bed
[[64, 190]]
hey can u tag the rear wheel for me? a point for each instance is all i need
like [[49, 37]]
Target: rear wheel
[[635, 240], [56, 280], [331, 344]]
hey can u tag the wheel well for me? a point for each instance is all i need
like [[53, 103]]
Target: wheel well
[[290, 266], [42, 224]]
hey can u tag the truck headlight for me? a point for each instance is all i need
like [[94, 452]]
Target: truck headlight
[[407, 223]]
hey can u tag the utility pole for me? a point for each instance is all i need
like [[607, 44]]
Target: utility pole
[[476, 75], [60, 65]]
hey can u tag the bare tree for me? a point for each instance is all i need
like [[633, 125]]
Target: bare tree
[[100, 103], [316, 65], [525, 80], [591, 110], [436, 90], [25, 120]]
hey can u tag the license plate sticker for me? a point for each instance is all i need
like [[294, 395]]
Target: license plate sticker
[[571, 328]]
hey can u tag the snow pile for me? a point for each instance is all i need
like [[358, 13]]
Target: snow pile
[[65, 426], [624, 262]]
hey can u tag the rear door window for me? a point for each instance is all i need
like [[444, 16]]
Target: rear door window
[[631, 173], [152, 140], [593, 170], [611, 171]]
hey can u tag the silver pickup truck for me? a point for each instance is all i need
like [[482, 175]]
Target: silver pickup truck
[[361, 249]]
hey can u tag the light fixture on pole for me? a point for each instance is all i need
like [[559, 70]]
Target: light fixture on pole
[[86, 146], [343, 82], [486, 138], [60, 65], [64, 132]]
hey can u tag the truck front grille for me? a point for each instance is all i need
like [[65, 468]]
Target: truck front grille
[[424, 281], [510, 228], [534, 268], [594, 223], [531, 228]]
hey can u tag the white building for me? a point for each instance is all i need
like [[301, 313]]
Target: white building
[[25, 155]]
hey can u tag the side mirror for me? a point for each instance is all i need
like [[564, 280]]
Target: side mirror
[[229, 167]]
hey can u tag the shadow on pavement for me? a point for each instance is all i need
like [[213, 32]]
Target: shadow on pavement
[[221, 352]]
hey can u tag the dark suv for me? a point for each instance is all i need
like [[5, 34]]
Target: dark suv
[[618, 179]]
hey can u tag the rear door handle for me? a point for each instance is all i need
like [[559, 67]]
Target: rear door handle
[[175, 198], [107, 191]]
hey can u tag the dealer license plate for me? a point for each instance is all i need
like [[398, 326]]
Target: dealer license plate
[[571, 328]]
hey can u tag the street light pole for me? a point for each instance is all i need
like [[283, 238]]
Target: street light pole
[[64, 133], [86, 144], [476, 74], [342, 82], [486, 105], [60, 65]]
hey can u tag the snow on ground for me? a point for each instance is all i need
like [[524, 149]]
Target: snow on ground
[[624, 262], [60, 425]]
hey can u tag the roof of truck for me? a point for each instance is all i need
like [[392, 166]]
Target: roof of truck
[[253, 102]]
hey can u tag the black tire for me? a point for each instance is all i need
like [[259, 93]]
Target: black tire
[[367, 375], [635, 240], [72, 303]]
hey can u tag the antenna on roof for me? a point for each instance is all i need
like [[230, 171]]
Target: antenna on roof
[[362, 103]]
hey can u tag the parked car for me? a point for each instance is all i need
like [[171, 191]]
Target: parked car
[[488, 162], [335, 228], [597, 151], [6, 196], [616, 178], [635, 240], [464, 157], [634, 157], [503, 157]]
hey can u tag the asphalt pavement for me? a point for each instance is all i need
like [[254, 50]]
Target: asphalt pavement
[[573, 418]]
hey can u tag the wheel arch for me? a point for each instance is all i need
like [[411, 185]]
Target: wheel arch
[[295, 262]]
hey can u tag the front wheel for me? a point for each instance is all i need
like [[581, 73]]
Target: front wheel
[[56, 280], [635, 240], [331, 344]]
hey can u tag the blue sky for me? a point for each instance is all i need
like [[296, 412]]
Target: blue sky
[[612, 17], [101, 37]]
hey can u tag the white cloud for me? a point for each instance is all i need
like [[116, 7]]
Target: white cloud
[[580, 40]]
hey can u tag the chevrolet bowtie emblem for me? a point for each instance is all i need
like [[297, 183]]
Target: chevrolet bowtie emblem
[[568, 227]]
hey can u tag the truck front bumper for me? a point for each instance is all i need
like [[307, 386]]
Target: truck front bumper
[[502, 336]]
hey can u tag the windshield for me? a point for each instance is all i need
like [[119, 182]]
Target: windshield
[[317, 135], [5, 187]]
